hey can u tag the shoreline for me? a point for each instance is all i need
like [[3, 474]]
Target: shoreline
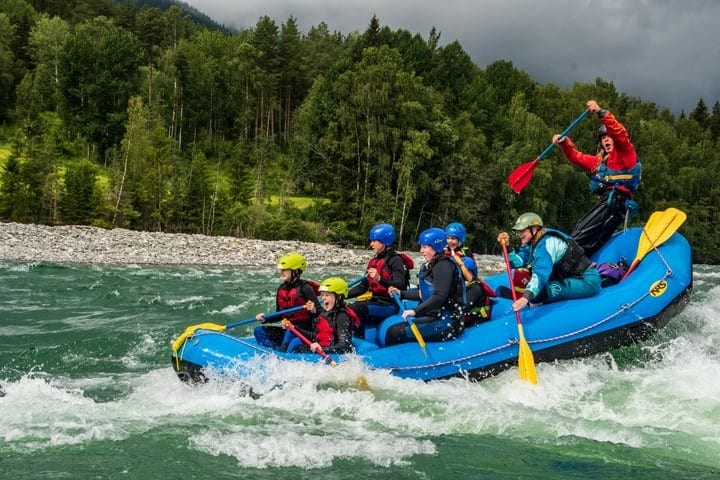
[[119, 246]]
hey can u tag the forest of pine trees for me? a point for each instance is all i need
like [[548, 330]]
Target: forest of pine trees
[[141, 118]]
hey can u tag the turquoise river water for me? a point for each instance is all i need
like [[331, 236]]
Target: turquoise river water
[[87, 392]]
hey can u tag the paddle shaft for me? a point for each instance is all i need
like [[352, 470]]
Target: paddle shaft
[[268, 315], [413, 328], [361, 380], [357, 281], [508, 269], [521, 176], [564, 132], [307, 342], [400, 305], [526, 362]]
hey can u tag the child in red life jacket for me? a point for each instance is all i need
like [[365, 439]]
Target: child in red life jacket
[[293, 292], [332, 328]]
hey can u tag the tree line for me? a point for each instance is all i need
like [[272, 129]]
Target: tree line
[[116, 116]]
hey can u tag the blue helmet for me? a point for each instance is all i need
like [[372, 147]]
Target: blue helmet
[[602, 131], [383, 233], [457, 230], [434, 237], [470, 265]]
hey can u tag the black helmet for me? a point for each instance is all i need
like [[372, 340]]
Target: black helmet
[[602, 131]]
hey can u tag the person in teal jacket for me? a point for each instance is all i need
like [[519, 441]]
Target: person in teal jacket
[[560, 269]]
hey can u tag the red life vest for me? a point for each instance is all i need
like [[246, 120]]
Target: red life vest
[[385, 273], [373, 285], [324, 331], [290, 295], [326, 326]]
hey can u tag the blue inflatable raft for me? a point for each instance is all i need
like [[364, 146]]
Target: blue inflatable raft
[[619, 315]]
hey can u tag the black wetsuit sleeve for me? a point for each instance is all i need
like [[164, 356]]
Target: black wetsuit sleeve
[[413, 294], [358, 289], [308, 293], [398, 273]]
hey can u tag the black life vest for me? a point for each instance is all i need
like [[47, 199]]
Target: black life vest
[[573, 263]]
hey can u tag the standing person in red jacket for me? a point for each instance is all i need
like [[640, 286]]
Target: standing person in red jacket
[[614, 176]]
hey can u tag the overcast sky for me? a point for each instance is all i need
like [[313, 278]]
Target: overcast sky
[[665, 51]]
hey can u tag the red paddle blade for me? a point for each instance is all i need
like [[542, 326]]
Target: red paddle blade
[[521, 176]]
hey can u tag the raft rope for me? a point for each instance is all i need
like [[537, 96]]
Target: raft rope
[[510, 343], [514, 341]]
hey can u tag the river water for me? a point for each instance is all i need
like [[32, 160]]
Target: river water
[[87, 392]]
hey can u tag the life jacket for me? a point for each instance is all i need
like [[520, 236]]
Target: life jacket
[[457, 289], [325, 330], [355, 321], [483, 309], [290, 295], [379, 263], [521, 277], [606, 178], [457, 255], [573, 263], [460, 252]]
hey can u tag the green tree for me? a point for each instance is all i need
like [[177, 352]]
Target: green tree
[[7, 68], [700, 114], [79, 199], [13, 192], [293, 83], [47, 41], [98, 74]]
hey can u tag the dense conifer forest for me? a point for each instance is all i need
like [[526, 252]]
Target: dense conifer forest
[[152, 117]]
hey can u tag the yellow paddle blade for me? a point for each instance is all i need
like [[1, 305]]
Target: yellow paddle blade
[[526, 362], [365, 296], [419, 338], [363, 383], [658, 229], [189, 331]]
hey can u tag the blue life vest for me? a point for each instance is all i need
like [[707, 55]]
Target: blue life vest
[[457, 290], [606, 178]]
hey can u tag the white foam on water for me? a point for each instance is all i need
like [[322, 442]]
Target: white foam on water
[[311, 415]]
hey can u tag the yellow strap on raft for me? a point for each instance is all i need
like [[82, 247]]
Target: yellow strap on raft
[[188, 333]]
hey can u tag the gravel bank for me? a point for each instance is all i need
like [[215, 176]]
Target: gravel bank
[[81, 244]]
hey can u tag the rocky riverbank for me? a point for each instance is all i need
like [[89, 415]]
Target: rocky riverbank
[[81, 244]]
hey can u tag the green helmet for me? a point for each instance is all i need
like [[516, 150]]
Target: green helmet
[[292, 261], [527, 220], [335, 285]]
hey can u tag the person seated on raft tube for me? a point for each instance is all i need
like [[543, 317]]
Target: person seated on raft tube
[[332, 328], [478, 295], [614, 175], [386, 269], [455, 235], [292, 292], [560, 269], [440, 314]]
